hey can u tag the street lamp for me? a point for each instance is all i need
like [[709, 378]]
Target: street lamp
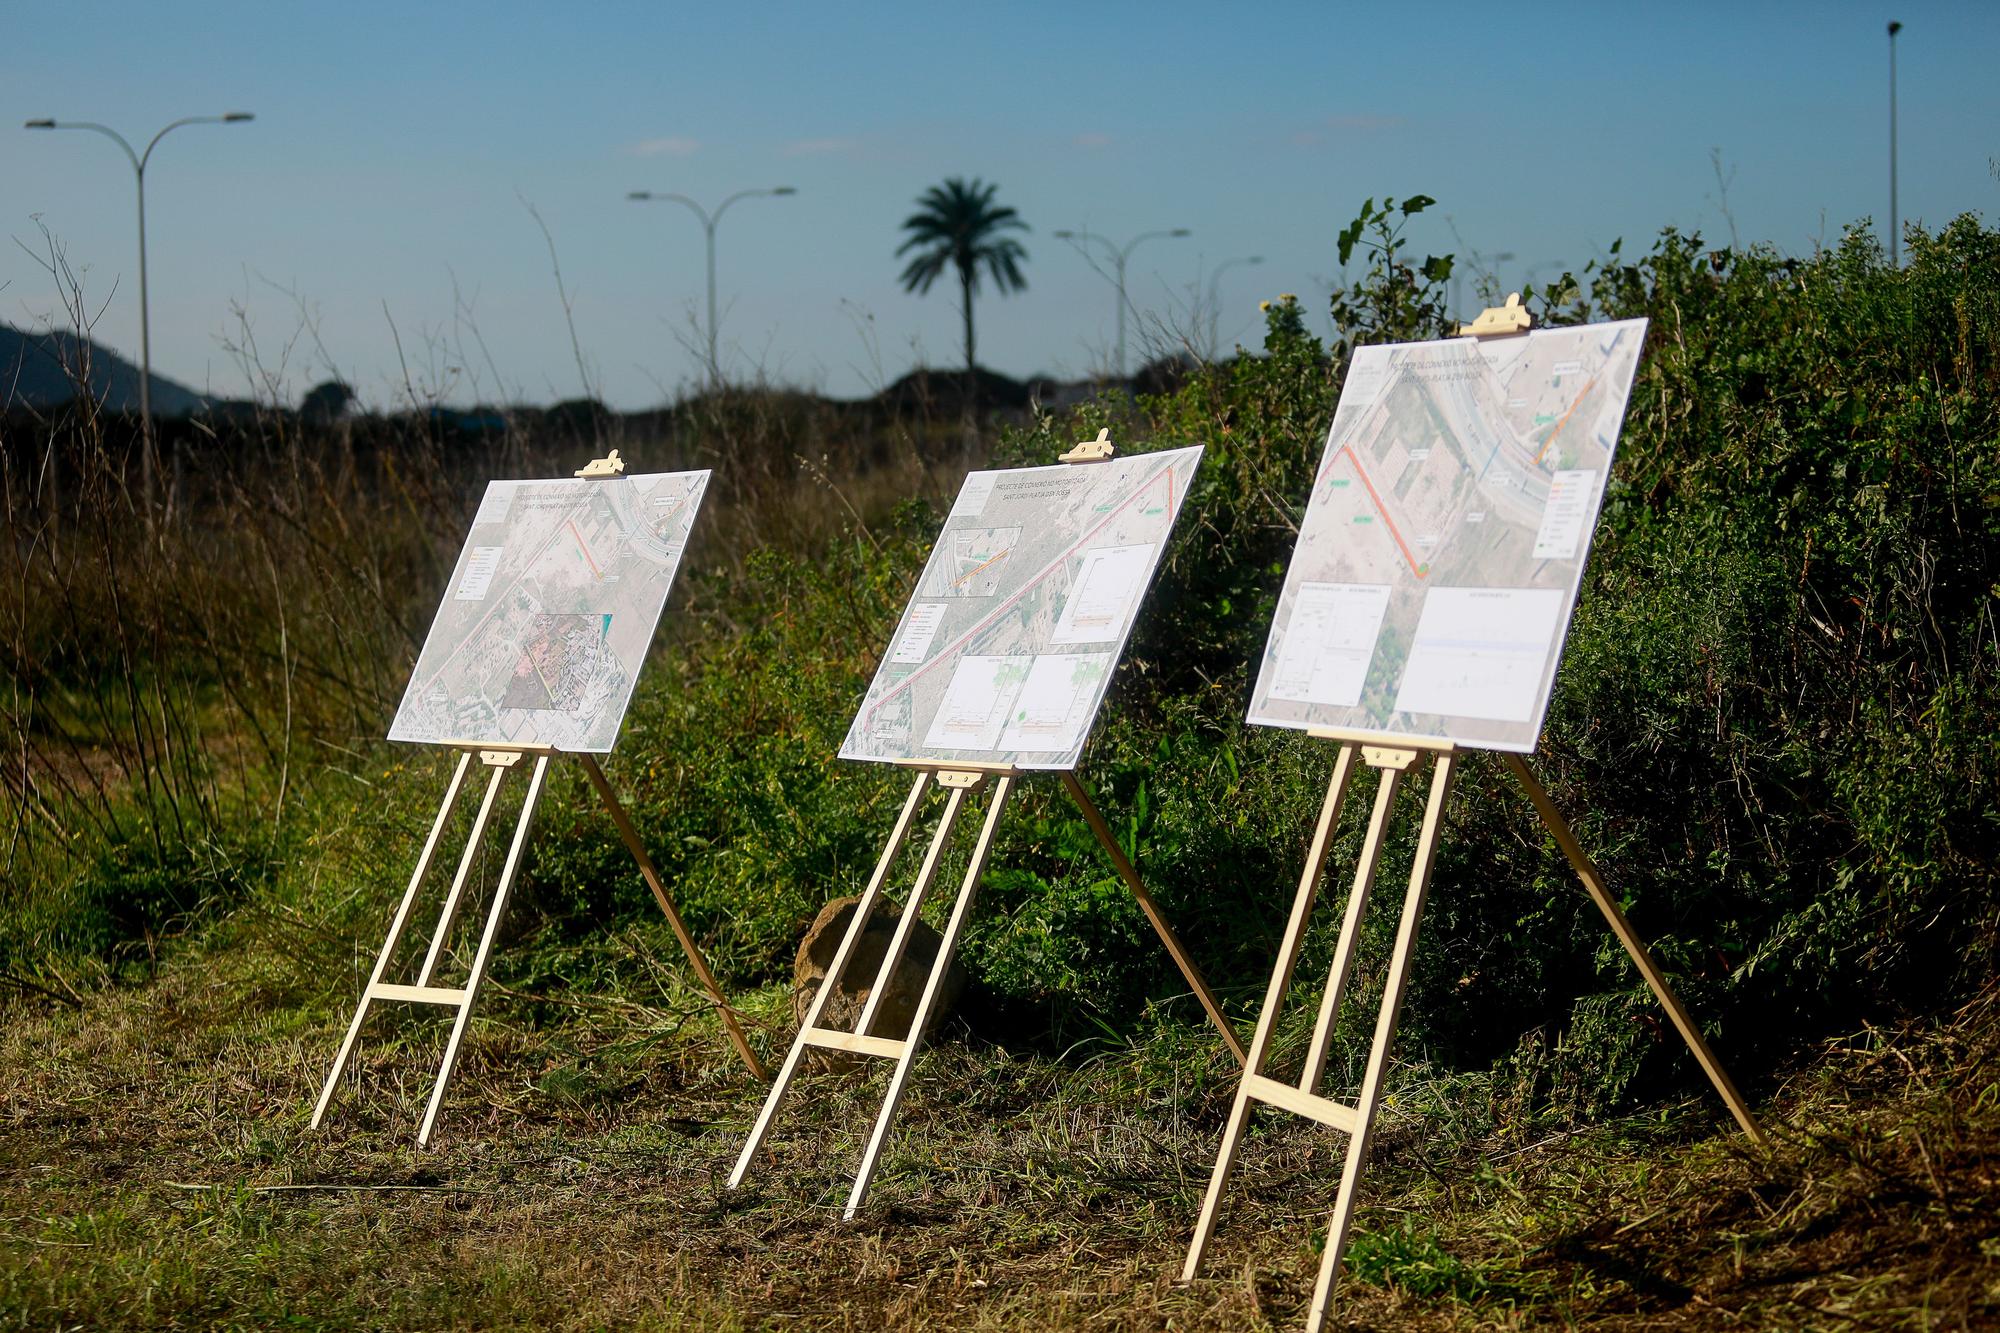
[[1214, 302], [708, 221], [1895, 230], [139, 161], [1118, 258]]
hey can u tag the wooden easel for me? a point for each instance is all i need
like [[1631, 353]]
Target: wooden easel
[[958, 779], [1392, 757], [502, 760]]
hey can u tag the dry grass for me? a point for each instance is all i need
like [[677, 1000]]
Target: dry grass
[[156, 1171]]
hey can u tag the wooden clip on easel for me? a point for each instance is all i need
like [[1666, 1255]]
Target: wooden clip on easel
[[1393, 757], [958, 780], [501, 761]]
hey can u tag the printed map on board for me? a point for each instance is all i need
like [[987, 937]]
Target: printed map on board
[[549, 612], [1008, 644], [1438, 563]]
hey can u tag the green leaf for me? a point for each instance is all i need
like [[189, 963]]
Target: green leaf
[[1350, 234]]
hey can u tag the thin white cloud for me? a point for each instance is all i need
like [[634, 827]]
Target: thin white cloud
[[1093, 139], [1345, 127], [671, 146], [820, 147]]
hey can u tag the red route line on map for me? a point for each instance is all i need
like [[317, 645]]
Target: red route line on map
[[1000, 610], [1380, 508], [584, 546], [1551, 441]]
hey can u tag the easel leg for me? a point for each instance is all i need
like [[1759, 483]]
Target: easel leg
[[1385, 1034], [946, 948], [630, 836], [493, 915], [869, 897], [449, 916], [1349, 944], [1127, 872], [1600, 894], [899, 941], [396, 925], [1274, 998]]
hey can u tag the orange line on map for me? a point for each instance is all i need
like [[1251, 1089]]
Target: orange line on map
[[581, 545], [1383, 510], [1551, 441], [974, 573]]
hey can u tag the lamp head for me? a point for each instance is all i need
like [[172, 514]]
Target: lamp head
[[1894, 28], [1064, 235], [1254, 259], [784, 189], [1180, 231], [39, 125], [640, 196], [234, 117]]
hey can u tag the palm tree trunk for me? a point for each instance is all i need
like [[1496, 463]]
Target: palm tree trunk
[[965, 291]]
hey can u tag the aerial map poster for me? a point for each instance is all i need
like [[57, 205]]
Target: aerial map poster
[[1008, 644], [1439, 560], [549, 612]]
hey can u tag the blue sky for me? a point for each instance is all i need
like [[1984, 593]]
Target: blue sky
[[394, 145]]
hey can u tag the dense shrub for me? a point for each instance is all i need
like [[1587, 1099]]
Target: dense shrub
[[1776, 727], [1776, 723]]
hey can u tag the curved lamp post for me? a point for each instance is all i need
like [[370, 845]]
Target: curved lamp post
[[1895, 229], [139, 161], [1214, 302], [1118, 257], [708, 221]]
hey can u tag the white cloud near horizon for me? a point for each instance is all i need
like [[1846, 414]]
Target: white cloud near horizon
[[1349, 125], [672, 145], [818, 147], [1092, 139]]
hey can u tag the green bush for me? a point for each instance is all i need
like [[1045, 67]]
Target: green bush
[[1776, 726]]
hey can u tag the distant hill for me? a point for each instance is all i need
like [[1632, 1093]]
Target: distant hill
[[945, 391], [34, 374]]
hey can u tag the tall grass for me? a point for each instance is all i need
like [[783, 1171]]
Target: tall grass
[[1778, 723], [179, 680]]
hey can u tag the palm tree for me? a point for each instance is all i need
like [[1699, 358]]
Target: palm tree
[[957, 224]]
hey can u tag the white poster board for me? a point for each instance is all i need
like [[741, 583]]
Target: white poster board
[[1021, 613], [1439, 560], [549, 612]]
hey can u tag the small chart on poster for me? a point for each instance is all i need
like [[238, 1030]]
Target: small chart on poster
[[549, 612], [1019, 617], [1438, 563]]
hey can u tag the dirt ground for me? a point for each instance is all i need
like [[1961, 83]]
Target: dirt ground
[[157, 1171]]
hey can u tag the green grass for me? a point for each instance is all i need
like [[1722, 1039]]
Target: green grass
[[157, 1171]]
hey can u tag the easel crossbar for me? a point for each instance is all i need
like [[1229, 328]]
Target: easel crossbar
[[888, 1048], [957, 782], [418, 994], [1339, 1115], [1357, 1121], [502, 761], [816, 1012]]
